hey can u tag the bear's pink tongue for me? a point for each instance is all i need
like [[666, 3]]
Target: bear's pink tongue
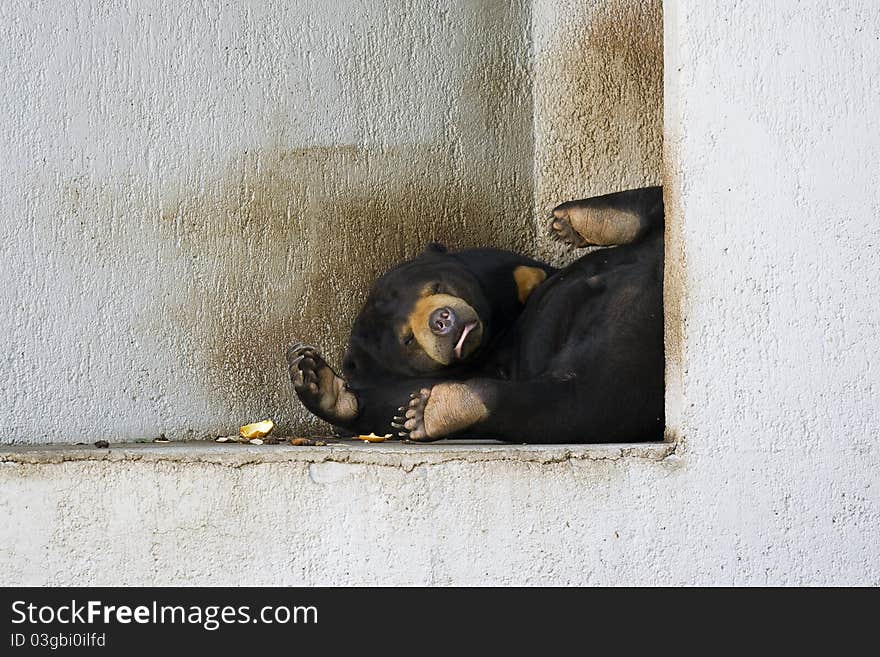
[[460, 344]]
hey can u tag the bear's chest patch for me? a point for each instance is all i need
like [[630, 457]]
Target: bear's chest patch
[[527, 279]]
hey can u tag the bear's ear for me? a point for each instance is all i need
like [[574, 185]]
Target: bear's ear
[[434, 247]]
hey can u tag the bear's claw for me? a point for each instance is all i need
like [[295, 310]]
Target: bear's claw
[[410, 421], [303, 362], [561, 230], [318, 387]]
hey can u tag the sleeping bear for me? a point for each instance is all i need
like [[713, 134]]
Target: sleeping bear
[[485, 343]]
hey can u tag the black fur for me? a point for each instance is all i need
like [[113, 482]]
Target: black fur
[[581, 361]]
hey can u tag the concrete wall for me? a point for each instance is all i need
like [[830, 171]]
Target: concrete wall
[[773, 373], [598, 103], [771, 290], [187, 189]]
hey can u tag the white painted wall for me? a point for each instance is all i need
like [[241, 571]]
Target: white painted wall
[[771, 290], [773, 375]]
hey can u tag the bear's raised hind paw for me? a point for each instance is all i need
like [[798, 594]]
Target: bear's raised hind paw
[[561, 230]]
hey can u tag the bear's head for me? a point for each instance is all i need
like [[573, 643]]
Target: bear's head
[[435, 315]]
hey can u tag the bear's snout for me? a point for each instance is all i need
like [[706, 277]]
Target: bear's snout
[[442, 321]]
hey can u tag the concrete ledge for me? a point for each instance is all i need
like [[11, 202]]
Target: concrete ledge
[[391, 454], [203, 513]]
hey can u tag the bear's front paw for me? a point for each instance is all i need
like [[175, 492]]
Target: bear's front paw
[[318, 387], [410, 421], [302, 360]]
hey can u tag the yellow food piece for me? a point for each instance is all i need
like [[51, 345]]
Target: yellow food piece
[[257, 429], [373, 438]]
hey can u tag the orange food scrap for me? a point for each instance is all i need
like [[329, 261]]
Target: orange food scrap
[[256, 430], [373, 438]]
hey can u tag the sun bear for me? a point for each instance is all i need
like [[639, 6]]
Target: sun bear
[[486, 343]]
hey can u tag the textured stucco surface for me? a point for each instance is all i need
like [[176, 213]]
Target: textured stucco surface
[[598, 103], [773, 377], [771, 290], [188, 188]]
